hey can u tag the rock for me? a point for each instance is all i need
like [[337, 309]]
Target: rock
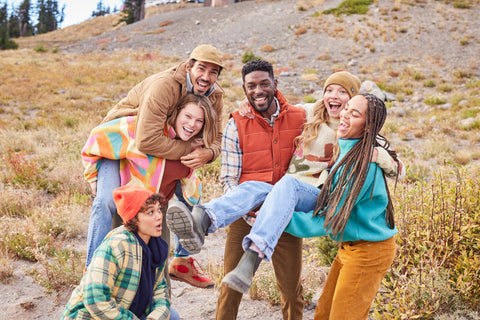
[[397, 111], [466, 123], [371, 87]]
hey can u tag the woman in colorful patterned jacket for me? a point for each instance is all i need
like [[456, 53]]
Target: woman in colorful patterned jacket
[[193, 120], [125, 279]]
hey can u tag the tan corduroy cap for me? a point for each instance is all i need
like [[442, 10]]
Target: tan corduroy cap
[[345, 79], [207, 53]]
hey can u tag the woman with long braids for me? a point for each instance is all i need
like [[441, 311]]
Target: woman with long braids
[[353, 207]]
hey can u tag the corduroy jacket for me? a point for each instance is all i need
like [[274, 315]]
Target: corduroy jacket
[[153, 100]]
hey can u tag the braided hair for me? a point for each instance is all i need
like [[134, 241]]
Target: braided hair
[[353, 170]]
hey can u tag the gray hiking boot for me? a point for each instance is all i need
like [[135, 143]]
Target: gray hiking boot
[[190, 227], [240, 278]]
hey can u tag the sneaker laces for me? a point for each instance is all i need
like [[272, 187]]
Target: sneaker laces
[[196, 266]]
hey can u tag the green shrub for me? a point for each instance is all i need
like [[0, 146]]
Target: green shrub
[[437, 268], [40, 48], [327, 248], [249, 56], [349, 7]]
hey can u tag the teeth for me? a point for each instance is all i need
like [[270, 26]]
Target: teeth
[[189, 130]]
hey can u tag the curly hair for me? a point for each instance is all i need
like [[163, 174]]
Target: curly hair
[[257, 65], [132, 224]]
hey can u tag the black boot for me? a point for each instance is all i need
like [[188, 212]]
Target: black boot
[[240, 278]]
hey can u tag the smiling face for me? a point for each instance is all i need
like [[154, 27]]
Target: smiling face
[[260, 88], [189, 121], [149, 222], [203, 75], [335, 98], [353, 118]]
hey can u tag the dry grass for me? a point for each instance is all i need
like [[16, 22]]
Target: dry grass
[[50, 101]]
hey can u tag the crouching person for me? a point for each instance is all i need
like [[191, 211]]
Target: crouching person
[[125, 279]]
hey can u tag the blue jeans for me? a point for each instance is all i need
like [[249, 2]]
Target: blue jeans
[[288, 195], [103, 208], [236, 203]]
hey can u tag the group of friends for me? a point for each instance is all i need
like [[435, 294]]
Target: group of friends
[[288, 172]]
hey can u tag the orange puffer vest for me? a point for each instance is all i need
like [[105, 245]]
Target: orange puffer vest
[[267, 150]]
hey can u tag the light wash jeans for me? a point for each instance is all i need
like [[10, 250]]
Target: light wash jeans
[[279, 202], [288, 195], [103, 208], [236, 203]]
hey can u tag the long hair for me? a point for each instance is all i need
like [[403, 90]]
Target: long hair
[[352, 172], [211, 123], [310, 129]]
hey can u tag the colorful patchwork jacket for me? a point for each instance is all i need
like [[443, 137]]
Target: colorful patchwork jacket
[[116, 140]]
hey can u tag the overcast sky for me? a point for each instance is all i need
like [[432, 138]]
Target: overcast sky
[[76, 11]]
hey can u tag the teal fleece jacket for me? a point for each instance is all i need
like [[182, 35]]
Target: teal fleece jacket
[[368, 218]]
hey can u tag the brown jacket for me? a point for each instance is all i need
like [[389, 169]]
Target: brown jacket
[[153, 100]]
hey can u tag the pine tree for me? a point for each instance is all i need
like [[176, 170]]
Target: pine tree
[[24, 20], [13, 24], [134, 10], [49, 17], [5, 42], [101, 10]]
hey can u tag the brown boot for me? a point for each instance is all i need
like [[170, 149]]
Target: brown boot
[[188, 270], [240, 278]]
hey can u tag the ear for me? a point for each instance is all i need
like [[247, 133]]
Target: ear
[[187, 66]]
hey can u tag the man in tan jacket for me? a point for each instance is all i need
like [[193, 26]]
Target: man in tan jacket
[[153, 100]]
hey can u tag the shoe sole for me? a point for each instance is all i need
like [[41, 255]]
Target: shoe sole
[[180, 222], [235, 283], [173, 277]]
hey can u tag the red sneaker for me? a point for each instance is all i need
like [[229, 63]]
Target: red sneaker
[[188, 270]]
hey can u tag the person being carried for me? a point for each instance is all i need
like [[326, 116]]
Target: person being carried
[[353, 207], [310, 163], [153, 100], [194, 120], [125, 279]]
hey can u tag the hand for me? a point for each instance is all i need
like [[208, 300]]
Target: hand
[[197, 158], [244, 110], [196, 143], [93, 186], [374, 155]]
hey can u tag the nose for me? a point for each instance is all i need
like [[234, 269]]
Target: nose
[[204, 76], [258, 90]]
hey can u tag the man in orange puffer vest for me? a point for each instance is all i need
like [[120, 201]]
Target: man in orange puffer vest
[[260, 149]]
